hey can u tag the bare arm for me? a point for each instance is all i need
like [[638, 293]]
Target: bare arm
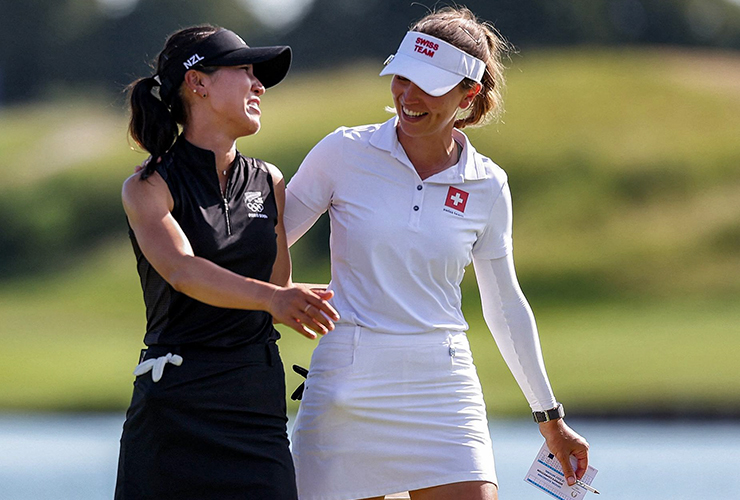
[[163, 243], [281, 270]]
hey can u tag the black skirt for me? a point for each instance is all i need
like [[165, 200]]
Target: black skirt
[[214, 427]]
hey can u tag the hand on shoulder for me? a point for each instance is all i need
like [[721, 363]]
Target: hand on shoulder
[[141, 166]]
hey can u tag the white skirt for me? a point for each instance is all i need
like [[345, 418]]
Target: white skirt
[[383, 413]]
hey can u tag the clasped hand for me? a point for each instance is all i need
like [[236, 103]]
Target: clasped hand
[[304, 310]]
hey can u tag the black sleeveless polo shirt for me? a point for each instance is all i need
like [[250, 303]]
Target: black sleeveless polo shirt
[[235, 231]]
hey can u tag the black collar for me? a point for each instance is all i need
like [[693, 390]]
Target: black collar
[[190, 154]]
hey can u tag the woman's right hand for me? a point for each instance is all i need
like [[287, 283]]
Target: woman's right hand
[[303, 310]]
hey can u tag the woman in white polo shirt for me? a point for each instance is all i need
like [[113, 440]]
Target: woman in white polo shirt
[[392, 401]]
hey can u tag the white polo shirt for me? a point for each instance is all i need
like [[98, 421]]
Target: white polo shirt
[[399, 244]]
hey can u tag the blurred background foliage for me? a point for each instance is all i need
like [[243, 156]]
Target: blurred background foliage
[[620, 140], [49, 46]]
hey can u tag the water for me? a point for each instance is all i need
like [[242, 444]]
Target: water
[[59, 457]]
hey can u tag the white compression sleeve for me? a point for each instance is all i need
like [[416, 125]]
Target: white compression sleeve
[[510, 319], [298, 218]]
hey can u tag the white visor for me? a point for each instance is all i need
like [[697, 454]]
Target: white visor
[[434, 65]]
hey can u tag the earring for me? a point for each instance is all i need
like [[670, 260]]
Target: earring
[[204, 96], [195, 91]]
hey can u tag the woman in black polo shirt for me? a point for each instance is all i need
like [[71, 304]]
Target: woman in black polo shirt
[[207, 418]]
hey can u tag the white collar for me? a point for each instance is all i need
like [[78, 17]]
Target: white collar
[[469, 168]]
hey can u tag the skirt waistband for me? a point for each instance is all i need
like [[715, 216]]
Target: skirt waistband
[[250, 353], [358, 336]]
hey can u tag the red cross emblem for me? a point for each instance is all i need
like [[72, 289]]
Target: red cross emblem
[[456, 199]]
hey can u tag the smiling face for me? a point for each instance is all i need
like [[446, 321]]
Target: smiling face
[[423, 115], [233, 93]]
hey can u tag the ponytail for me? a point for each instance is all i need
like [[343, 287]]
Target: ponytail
[[154, 122], [151, 126], [461, 28]]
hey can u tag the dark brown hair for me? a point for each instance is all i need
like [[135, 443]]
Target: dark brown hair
[[154, 123], [461, 28]]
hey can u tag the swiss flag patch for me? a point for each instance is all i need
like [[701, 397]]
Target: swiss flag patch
[[456, 199]]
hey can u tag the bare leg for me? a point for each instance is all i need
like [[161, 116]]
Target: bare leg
[[395, 496], [469, 490], [392, 496]]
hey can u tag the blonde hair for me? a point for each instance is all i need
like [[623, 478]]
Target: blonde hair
[[461, 28]]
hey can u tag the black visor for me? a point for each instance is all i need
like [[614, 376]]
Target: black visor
[[226, 48]]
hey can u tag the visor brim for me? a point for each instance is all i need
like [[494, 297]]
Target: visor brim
[[431, 79]]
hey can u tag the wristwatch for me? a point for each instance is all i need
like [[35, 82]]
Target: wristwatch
[[547, 415]]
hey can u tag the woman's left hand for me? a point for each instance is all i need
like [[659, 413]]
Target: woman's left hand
[[564, 442], [143, 165]]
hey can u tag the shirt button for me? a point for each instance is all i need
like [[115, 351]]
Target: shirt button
[[416, 208], [419, 188]]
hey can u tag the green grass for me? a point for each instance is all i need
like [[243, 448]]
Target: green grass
[[631, 357], [71, 341], [624, 172]]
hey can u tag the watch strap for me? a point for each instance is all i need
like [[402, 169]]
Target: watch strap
[[547, 415]]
